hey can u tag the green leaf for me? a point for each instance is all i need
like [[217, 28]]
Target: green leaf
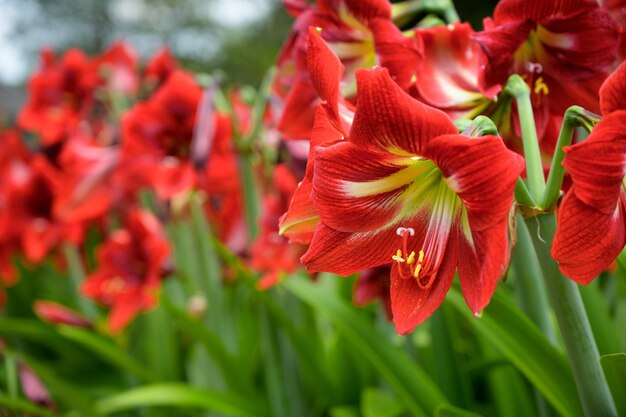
[[22, 405], [451, 411], [605, 333], [521, 342], [614, 367], [377, 403], [213, 345], [108, 351], [180, 396], [411, 384]]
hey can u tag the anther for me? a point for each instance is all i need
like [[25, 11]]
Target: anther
[[411, 258], [541, 87], [420, 258], [398, 256], [416, 273]]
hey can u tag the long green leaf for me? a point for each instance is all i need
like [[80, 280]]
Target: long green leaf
[[180, 396], [410, 383], [108, 351], [614, 367], [520, 341], [450, 411]]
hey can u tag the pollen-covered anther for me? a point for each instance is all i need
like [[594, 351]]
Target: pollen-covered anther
[[541, 87], [398, 256]]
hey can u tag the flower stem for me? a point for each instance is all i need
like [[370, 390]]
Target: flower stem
[[573, 322], [516, 87], [574, 117], [528, 282]]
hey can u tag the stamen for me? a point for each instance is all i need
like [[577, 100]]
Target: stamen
[[411, 258], [416, 273], [398, 256], [541, 87], [420, 258]]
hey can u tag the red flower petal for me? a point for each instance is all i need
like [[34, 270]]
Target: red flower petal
[[612, 97], [347, 253], [483, 263], [587, 240], [516, 10], [448, 76], [597, 165], [410, 303], [398, 53], [389, 119], [361, 9], [325, 70], [299, 223], [487, 193], [499, 43], [297, 117], [342, 195]]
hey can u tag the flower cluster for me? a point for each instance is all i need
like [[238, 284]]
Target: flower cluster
[[399, 176], [105, 130], [378, 148]]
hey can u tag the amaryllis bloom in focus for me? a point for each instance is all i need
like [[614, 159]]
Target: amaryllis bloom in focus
[[333, 119], [563, 49], [591, 229], [131, 264], [360, 33], [405, 188], [448, 74]]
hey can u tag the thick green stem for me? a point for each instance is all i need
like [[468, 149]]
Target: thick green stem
[[529, 285], [573, 322], [574, 117], [522, 195], [517, 88]]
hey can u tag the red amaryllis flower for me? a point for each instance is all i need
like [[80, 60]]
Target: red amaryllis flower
[[85, 188], [617, 9], [591, 220], [160, 139], [131, 264], [562, 48], [360, 33], [407, 188], [27, 214], [333, 120], [449, 71], [60, 94]]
